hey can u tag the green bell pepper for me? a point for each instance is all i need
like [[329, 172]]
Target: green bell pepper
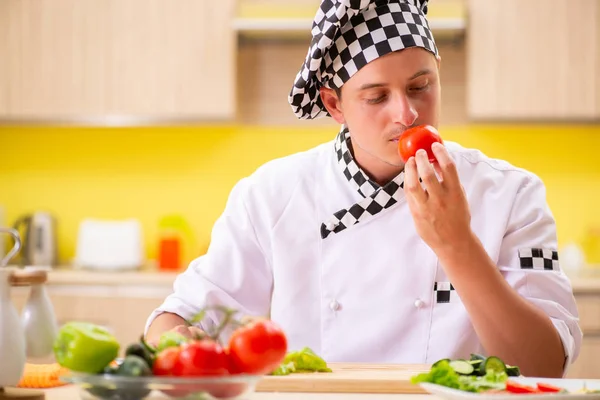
[[85, 347]]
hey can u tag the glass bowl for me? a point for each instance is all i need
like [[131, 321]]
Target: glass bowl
[[114, 387]]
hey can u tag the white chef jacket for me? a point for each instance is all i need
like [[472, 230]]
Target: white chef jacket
[[374, 291]]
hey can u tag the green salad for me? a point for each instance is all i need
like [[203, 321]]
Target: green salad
[[478, 374], [304, 360]]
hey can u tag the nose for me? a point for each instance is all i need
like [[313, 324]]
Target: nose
[[403, 111]]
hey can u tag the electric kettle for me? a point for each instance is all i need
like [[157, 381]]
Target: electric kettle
[[38, 231]]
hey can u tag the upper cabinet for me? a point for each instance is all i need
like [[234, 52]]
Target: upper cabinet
[[292, 19], [534, 59], [117, 59], [597, 47]]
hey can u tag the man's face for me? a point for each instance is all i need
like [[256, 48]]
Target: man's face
[[387, 96]]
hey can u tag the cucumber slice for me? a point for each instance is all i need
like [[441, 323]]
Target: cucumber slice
[[494, 364], [462, 367], [476, 363], [438, 362], [477, 366], [475, 357], [513, 370]]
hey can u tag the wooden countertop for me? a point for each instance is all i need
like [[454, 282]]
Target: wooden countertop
[[585, 281], [347, 381], [72, 393]]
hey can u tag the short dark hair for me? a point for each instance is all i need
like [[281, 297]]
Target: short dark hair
[[338, 92]]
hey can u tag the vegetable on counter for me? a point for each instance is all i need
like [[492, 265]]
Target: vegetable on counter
[[170, 339], [133, 366], [201, 358], [487, 375], [141, 350], [463, 375], [85, 347], [304, 360], [256, 346]]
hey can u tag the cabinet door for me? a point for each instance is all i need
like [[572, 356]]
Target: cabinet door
[[588, 363], [81, 59], [534, 59], [597, 47], [122, 310]]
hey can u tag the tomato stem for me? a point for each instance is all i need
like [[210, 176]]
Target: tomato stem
[[227, 320], [229, 313], [151, 349]]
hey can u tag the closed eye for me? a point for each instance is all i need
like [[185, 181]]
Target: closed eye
[[420, 88], [376, 100]]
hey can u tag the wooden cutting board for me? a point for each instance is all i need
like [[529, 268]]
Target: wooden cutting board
[[349, 378]]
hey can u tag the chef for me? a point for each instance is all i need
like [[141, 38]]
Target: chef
[[366, 259]]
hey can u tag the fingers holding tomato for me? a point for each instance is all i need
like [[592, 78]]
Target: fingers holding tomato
[[419, 137]]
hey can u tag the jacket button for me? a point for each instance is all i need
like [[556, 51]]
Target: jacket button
[[334, 305], [419, 303]]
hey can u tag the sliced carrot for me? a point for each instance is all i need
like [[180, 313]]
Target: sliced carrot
[[39, 376]]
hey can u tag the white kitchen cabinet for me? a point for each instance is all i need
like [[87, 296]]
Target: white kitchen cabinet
[[588, 362], [533, 60], [114, 60], [122, 309]]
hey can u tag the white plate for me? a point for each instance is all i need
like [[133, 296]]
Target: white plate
[[572, 385]]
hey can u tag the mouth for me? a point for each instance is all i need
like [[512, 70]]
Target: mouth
[[396, 138]]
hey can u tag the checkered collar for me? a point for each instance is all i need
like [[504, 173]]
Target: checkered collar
[[355, 175], [376, 198]]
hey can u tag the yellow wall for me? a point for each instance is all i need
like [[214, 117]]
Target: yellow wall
[[146, 173]]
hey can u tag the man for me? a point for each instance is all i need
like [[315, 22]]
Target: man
[[366, 259]]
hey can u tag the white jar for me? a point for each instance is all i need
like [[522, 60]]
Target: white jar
[[12, 337], [39, 323]]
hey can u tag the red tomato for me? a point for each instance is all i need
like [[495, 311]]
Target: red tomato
[[201, 358], [419, 137], [227, 390], [514, 387], [164, 365], [165, 361], [258, 347], [545, 387]]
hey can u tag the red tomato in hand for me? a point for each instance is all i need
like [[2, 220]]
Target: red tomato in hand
[[165, 361], [201, 358], [419, 137], [258, 347]]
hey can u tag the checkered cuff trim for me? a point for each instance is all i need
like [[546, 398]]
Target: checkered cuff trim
[[444, 292], [539, 258], [376, 198], [347, 35]]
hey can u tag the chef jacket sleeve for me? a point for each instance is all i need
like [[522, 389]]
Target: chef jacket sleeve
[[529, 262], [234, 272]]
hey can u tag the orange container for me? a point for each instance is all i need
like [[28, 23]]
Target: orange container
[[169, 254]]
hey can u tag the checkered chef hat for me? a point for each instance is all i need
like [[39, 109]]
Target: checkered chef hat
[[348, 34]]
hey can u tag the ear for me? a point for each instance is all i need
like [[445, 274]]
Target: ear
[[438, 60], [333, 104]]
